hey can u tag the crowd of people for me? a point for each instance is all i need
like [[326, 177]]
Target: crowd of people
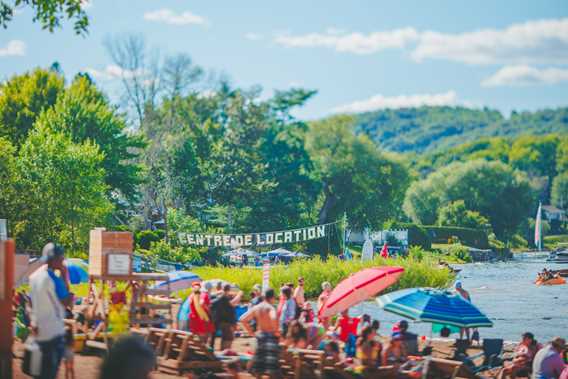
[[278, 321], [546, 274]]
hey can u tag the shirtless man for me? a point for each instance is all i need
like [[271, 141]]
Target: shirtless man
[[267, 348]]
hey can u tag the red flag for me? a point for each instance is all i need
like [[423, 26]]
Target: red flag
[[385, 251]]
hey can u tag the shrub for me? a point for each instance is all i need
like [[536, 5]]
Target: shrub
[[162, 250], [416, 253], [460, 252], [145, 238], [518, 241], [552, 242], [494, 243], [315, 271]]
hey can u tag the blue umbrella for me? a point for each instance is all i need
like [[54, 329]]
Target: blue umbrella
[[78, 271], [178, 280], [430, 305]]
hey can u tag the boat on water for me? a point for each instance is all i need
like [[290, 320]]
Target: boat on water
[[558, 256], [551, 282]]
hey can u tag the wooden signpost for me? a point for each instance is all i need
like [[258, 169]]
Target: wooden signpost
[[111, 259], [7, 252]]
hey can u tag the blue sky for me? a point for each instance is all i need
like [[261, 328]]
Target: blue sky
[[359, 55]]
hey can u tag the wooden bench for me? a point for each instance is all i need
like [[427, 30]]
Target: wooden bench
[[184, 351]]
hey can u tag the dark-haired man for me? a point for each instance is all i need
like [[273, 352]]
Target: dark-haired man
[[224, 316], [50, 296], [267, 348]]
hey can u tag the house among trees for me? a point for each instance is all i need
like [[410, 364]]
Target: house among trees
[[551, 213]]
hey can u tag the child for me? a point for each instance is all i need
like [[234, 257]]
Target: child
[[68, 355]]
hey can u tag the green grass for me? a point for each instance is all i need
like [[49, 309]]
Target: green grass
[[423, 273], [552, 242]]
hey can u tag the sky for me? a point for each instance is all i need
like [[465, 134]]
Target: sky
[[359, 55]]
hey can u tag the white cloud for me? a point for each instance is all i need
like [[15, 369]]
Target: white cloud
[[170, 17], [395, 102], [254, 36], [541, 41], [357, 43], [111, 72], [531, 42], [525, 75], [13, 48]]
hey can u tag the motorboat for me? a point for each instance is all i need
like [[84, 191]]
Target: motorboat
[[558, 256]]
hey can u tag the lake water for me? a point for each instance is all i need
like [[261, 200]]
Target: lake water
[[505, 292]]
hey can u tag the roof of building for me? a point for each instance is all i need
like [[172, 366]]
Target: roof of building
[[552, 209]]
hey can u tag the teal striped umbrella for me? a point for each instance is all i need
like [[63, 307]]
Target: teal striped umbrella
[[431, 305]]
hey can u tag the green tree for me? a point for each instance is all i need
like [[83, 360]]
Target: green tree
[[536, 155], [356, 178], [237, 159], [493, 189], [62, 190], [560, 191], [84, 114], [8, 193], [23, 98], [562, 155], [456, 214], [49, 13]]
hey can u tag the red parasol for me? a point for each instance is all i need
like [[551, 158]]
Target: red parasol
[[359, 287]]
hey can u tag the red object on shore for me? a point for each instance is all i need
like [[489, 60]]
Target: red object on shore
[[385, 251], [359, 287]]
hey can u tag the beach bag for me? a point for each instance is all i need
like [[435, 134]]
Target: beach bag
[[31, 364]]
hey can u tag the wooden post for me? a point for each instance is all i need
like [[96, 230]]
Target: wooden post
[[7, 267]]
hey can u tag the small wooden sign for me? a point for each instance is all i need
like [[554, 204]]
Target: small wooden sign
[[119, 264]]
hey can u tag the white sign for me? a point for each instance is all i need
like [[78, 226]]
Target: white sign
[[255, 239], [3, 230], [118, 264]]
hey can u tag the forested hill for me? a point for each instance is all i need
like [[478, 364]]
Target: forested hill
[[429, 128]]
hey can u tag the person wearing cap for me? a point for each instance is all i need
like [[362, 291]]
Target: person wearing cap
[[548, 362], [50, 296]]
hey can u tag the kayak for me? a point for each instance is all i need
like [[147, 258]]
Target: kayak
[[551, 282]]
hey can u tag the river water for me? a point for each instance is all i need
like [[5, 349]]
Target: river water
[[506, 294]]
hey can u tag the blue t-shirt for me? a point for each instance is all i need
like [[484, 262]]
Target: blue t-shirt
[[60, 287]]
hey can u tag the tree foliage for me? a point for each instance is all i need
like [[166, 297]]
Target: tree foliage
[[356, 178], [61, 190], [427, 129], [23, 98], [560, 191], [49, 13], [456, 214], [493, 189], [84, 114]]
